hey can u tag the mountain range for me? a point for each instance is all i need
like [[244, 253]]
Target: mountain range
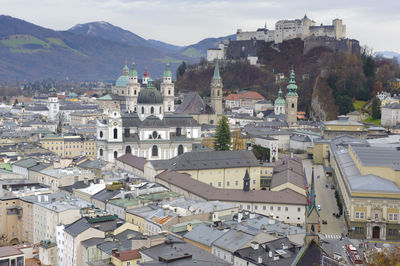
[[86, 52]]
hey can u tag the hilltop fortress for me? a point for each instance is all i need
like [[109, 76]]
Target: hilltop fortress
[[297, 28], [248, 43]]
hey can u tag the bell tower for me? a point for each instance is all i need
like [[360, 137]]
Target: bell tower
[[291, 100], [133, 89], [216, 90], [167, 90]]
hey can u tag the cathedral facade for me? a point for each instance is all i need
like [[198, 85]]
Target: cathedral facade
[[146, 126]]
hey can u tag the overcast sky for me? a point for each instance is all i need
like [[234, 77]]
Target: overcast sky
[[183, 22]]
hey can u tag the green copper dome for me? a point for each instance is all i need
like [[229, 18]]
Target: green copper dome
[[150, 95], [292, 87], [122, 81], [167, 71], [280, 100]]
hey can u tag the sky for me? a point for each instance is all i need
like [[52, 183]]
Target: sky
[[183, 22]]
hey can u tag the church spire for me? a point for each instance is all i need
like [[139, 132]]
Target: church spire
[[311, 196], [125, 70], [292, 87], [216, 80], [167, 71], [133, 72]]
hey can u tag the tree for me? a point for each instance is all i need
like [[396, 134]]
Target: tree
[[261, 153], [376, 108], [223, 135], [181, 70]]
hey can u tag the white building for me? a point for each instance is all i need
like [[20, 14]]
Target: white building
[[216, 53], [149, 129], [297, 28], [390, 114]]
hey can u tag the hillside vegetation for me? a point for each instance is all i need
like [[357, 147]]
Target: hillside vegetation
[[328, 81]]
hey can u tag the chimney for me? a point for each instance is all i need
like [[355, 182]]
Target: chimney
[[259, 260], [252, 215], [240, 216], [254, 245], [270, 253]]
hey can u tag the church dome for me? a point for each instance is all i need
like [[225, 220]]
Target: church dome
[[122, 81], [150, 96], [280, 101]]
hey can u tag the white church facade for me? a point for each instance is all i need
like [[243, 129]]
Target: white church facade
[[148, 127]]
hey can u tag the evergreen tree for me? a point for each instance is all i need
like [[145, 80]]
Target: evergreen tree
[[181, 70], [376, 108], [223, 135]]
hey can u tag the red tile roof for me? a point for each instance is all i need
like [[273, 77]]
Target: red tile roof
[[253, 95], [128, 255]]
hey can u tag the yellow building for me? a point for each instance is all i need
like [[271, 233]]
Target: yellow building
[[126, 258], [69, 146], [343, 126], [368, 179], [221, 169], [10, 221]]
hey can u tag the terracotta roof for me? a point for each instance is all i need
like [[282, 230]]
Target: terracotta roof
[[253, 95], [128, 255]]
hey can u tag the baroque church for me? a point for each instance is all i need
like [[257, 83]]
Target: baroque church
[[146, 125]]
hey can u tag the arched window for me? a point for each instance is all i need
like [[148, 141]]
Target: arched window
[[180, 149], [101, 134], [115, 154], [115, 133], [160, 109], [122, 92], [169, 92], [142, 110], [154, 134], [128, 150], [134, 109], [292, 105], [169, 108], [152, 110], [217, 92], [101, 152], [212, 122], [154, 150], [134, 92]]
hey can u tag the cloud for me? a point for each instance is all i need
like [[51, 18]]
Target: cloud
[[184, 22]]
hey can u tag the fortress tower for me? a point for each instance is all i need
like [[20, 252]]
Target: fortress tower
[[291, 100], [216, 91]]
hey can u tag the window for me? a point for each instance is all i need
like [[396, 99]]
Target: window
[[264, 208], [142, 110], [180, 149], [101, 134], [101, 152], [292, 105], [236, 183], [219, 184], [128, 150], [376, 216], [254, 182], [115, 154], [271, 208], [255, 207], [169, 92], [154, 150], [227, 183], [217, 92], [286, 209], [248, 207], [160, 109], [154, 134], [134, 92], [115, 133], [152, 110], [279, 208]]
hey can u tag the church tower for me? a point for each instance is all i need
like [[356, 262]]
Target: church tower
[[167, 90], [279, 104], [216, 91], [133, 89], [312, 216], [291, 100], [52, 104]]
